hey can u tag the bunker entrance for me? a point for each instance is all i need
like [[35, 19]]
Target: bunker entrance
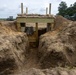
[[41, 31], [35, 30], [45, 28]]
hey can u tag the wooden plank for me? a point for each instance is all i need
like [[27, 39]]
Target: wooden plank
[[35, 20], [32, 39]]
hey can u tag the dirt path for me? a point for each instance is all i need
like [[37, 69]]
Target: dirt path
[[32, 59]]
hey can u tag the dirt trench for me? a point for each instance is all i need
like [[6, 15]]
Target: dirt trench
[[52, 57], [32, 59]]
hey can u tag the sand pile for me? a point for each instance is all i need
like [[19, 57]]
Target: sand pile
[[51, 71], [58, 48], [11, 24], [13, 47], [61, 22]]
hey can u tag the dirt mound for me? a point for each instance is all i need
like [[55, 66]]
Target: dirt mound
[[60, 19], [13, 47], [61, 22], [10, 24], [53, 71], [58, 48]]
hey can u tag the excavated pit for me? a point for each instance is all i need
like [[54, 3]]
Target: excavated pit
[[54, 56]]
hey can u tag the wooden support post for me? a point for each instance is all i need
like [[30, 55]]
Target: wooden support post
[[18, 26], [21, 8], [36, 34], [46, 10], [37, 31], [25, 26], [50, 9], [48, 27], [26, 10], [52, 26]]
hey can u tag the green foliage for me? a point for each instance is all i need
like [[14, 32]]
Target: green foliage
[[74, 5], [64, 10]]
